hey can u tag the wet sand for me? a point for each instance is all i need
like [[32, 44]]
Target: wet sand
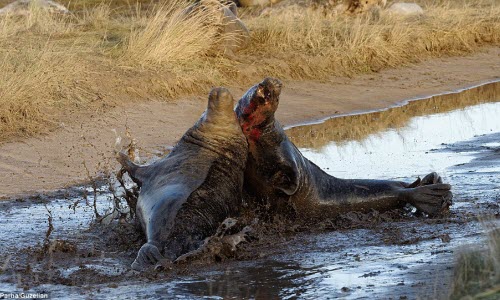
[[83, 145]]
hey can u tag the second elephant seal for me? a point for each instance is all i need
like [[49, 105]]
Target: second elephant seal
[[278, 173], [187, 194]]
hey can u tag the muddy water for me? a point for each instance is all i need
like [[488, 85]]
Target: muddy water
[[457, 135]]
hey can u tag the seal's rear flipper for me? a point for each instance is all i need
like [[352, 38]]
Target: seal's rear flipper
[[431, 178], [432, 199], [149, 255]]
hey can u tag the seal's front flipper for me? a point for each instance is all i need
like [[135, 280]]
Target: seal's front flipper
[[149, 255], [211, 245], [432, 199], [220, 245], [286, 178], [285, 181], [134, 170]]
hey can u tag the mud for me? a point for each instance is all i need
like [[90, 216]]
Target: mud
[[394, 255]]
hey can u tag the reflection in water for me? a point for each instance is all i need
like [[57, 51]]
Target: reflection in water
[[402, 141], [408, 151], [272, 280], [358, 127]]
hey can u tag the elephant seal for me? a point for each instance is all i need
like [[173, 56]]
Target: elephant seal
[[278, 173], [186, 195]]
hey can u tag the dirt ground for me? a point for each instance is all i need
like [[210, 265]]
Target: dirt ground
[[84, 145]]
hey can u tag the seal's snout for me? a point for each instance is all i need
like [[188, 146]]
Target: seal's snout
[[220, 94], [270, 89], [273, 84], [220, 99]]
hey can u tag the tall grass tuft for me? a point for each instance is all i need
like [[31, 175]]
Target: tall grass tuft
[[24, 82], [169, 34], [477, 271], [98, 17]]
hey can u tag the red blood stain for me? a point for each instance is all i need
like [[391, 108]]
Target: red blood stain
[[249, 109], [245, 127], [255, 118], [255, 134]]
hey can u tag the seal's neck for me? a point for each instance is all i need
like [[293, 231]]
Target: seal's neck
[[218, 124], [219, 134]]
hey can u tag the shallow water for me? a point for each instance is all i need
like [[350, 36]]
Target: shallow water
[[456, 135], [408, 151]]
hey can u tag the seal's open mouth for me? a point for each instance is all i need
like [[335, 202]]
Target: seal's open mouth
[[256, 108]]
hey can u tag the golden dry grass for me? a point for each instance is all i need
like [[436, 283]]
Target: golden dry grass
[[314, 45], [166, 35], [102, 55]]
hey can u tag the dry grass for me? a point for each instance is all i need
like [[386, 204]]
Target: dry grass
[[30, 65], [22, 83], [314, 45], [106, 54], [168, 36], [477, 271]]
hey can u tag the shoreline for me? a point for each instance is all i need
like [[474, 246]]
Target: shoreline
[[82, 149], [395, 105]]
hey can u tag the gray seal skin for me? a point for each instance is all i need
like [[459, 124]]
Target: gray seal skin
[[278, 174], [187, 194]]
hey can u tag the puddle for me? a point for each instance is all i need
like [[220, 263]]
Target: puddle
[[411, 150], [455, 134]]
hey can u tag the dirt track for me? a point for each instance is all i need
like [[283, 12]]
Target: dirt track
[[57, 160]]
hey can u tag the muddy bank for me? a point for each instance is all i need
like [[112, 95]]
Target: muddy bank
[[83, 145]]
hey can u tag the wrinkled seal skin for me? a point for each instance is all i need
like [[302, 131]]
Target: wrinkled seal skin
[[280, 175], [187, 194]]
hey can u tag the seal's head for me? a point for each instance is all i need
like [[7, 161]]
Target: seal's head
[[219, 119], [220, 107], [255, 110], [220, 100]]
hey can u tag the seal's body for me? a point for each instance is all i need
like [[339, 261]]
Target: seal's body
[[187, 194], [277, 172]]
